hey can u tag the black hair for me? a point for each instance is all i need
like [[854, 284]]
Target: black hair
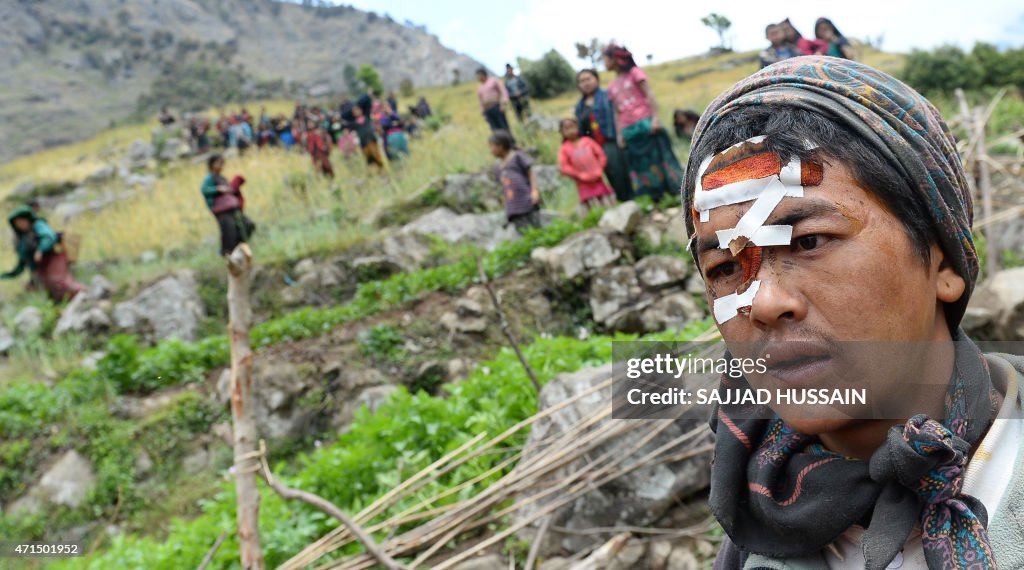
[[821, 21], [688, 114], [508, 66], [212, 159], [788, 129], [786, 22], [589, 70], [769, 27], [503, 139], [481, 71]]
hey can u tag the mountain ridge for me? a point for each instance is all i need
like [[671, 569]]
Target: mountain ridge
[[77, 66]]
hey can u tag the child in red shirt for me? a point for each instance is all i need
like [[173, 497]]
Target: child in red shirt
[[583, 160]]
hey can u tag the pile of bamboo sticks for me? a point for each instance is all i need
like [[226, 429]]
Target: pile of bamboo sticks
[[549, 478]]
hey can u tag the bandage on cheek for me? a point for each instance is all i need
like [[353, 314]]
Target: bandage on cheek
[[747, 172]]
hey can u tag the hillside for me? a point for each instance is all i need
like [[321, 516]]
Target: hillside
[[377, 350], [73, 68]]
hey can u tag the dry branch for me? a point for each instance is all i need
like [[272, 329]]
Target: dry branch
[[505, 328], [328, 507]]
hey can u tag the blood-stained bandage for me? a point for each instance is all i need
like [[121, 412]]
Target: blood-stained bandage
[[746, 172]]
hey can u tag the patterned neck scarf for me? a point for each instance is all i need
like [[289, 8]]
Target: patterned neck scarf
[[780, 493]]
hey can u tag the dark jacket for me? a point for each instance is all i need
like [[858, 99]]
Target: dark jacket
[[604, 112]]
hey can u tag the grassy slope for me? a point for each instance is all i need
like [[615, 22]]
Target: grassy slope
[[173, 218]]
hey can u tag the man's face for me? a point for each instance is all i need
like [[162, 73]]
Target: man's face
[[776, 35], [850, 274]]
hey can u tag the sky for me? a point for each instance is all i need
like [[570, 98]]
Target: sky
[[497, 32]]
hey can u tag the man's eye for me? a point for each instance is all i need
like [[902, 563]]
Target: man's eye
[[808, 242], [723, 270]]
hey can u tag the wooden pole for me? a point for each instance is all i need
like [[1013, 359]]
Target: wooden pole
[[985, 188], [245, 433]]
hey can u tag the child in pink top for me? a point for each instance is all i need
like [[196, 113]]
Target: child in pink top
[[583, 160]]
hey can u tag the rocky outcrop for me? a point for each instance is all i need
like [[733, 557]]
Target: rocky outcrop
[[83, 315], [169, 308], [637, 498], [623, 218], [996, 309], [319, 283], [647, 297], [139, 154], [581, 254], [67, 482], [101, 288], [468, 317], [484, 230], [28, 321]]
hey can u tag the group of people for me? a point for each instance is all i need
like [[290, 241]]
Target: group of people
[[787, 42], [613, 146], [351, 127]]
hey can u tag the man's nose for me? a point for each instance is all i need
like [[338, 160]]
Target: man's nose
[[777, 300]]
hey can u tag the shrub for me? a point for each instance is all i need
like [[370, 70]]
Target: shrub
[[948, 67], [549, 76]]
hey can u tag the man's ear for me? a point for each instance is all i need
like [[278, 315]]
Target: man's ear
[[949, 285]]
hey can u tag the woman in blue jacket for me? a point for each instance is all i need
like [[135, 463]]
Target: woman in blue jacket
[[596, 117]]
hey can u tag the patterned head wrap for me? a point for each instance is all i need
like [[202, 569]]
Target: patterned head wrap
[[905, 128]]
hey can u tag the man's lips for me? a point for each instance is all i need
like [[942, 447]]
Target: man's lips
[[797, 362]]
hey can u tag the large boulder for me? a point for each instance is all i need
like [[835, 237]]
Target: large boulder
[[484, 230], [101, 288], [28, 321], [998, 303], [171, 307], [374, 267], [318, 283], [670, 312], [139, 154], [647, 297], [580, 255], [471, 192], [412, 250], [623, 218], [468, 317], [549, 177], [67, 482], [613, 296], [660, 271], [637, 498], [101, 174], [82, 315]]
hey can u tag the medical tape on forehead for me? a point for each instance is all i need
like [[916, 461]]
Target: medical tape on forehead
[[751, 228], [729, 306], [744, 190]]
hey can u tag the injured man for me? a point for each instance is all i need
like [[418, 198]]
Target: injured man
[[827, 206]]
